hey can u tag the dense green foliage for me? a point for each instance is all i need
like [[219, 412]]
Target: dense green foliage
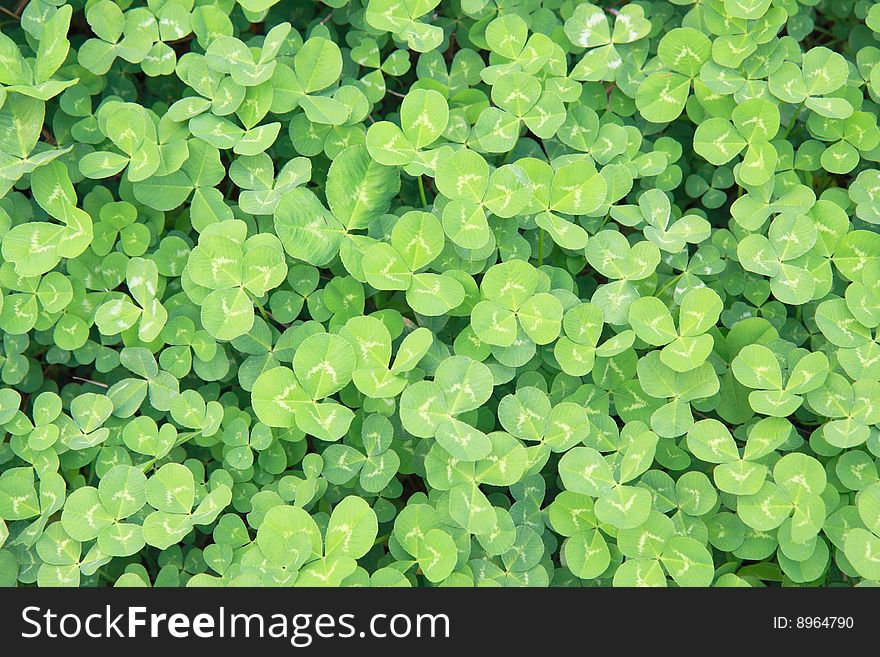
[[409, 292]]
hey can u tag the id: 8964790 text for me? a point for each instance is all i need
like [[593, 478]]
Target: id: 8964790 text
[[813, 623]]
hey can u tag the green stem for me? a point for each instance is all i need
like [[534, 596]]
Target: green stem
[[540, 246], [422, 192], [149, 464], [794, 119], [266, 315], [181, 438], [820, 30], [101, 574], [666, 285], [261, 309]]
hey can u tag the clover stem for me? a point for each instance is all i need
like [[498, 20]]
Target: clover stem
[[101, 574], [820, 30], [94, 383], [181, 438], [147, 465], [261, 309], [667, 284], [540, 246], [266, 315], [186, 435], [794, 119], [9, 13], [422, 191]]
